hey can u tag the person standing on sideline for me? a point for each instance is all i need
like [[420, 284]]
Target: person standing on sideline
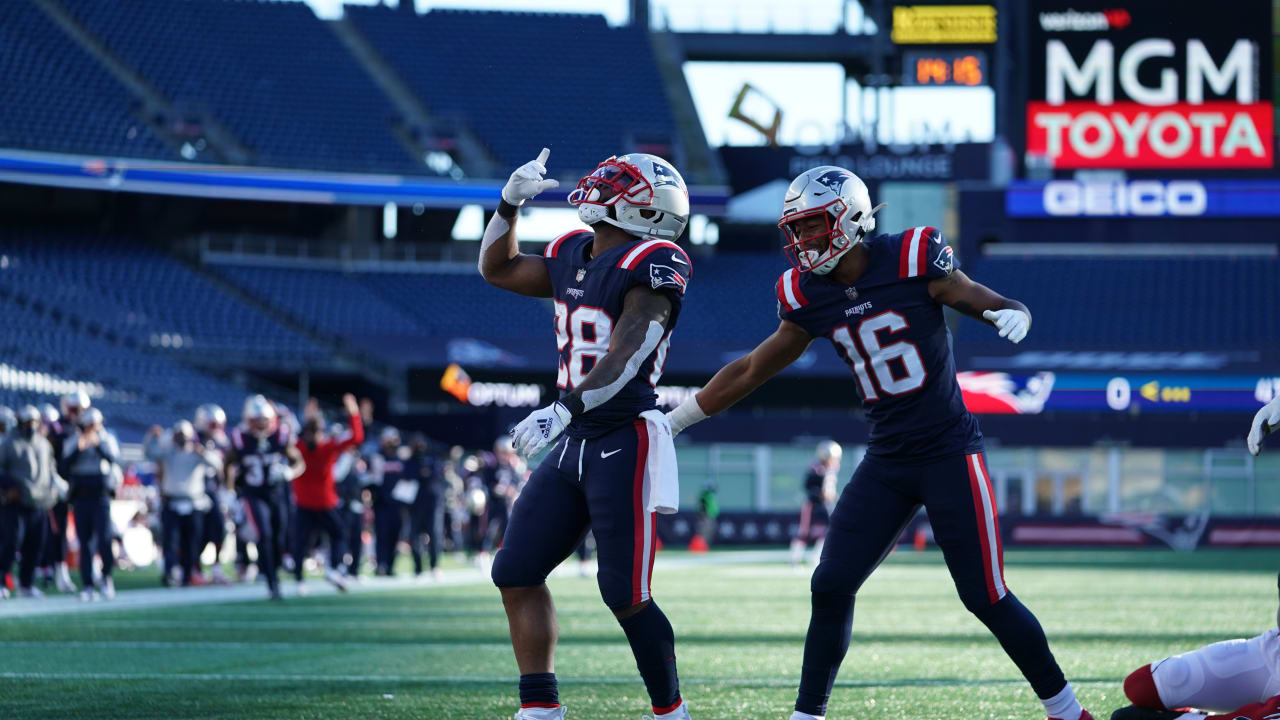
[[29, 487], [315, 490], [92, 455]]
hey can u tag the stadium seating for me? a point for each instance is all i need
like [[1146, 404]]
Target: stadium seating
[[56, 98], [330, 303], [148, 296], [1135, 304], [270, 71], [141, 388], [731, 302], [475, 66]]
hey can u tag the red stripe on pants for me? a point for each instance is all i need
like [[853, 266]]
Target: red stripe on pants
[[638, 563], [981, 516], [995, 521]]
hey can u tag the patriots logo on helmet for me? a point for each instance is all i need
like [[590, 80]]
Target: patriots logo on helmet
[[945, 260], [833, 179], [662, 175], [665, 276]]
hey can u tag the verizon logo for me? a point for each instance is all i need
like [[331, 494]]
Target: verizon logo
[[1075, 21]]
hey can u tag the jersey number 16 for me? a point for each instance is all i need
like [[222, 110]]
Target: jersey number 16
[[879, 356]]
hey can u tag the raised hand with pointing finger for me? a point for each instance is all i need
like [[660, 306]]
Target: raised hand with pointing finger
[[526, 182]]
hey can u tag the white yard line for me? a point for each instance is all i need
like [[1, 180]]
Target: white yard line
[[216, 594], [500, 679]]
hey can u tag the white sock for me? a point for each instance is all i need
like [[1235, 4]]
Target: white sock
[[797, 551], [1064, 705], [797, 715]]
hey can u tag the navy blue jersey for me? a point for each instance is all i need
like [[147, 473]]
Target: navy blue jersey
[[588, 298], [894, 339], [261, 460], [815, 481]]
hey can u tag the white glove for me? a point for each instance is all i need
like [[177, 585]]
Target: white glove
[[526, 182], [1012, 324], [540, 428], [685, 414], [1266, 421]]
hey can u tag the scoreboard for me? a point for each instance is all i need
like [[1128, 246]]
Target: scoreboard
[[962, 68]]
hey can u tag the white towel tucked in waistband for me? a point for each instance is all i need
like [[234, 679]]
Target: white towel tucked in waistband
[[662, 478]]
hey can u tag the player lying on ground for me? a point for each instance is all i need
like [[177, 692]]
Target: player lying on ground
[[879, 300], [617, 291], [1239, 674]]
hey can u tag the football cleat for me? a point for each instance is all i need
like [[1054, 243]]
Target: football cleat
[[1084, 715], [30, 592], [219, 576], [336, 579], [108, 589], [62, 578]]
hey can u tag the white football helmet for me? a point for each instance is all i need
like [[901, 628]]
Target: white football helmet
[[829, 451], [209, 416], [842, 199], [646, 193], [389, 436], [259, 413], [49, 413], [90, 417], [183, 429], [71, 402]]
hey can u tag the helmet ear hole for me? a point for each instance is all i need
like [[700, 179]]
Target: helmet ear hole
[[648, 214]]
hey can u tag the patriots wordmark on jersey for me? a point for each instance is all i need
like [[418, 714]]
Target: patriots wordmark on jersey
[[588, 295], [893, 336]]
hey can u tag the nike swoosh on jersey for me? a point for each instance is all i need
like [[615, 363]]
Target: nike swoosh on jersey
[[604, 455], [676, 258]]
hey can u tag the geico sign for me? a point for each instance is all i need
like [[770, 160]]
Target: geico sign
[[1147, 198], [1130, 135]]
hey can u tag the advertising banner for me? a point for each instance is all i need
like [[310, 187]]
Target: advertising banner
[[1153, 85]]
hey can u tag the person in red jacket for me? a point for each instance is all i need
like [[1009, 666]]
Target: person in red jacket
[[314, 489]]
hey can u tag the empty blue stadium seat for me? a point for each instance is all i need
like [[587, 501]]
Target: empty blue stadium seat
[[270, 71], [1135, 303], [525, 80], [148, 296], [55, 97]]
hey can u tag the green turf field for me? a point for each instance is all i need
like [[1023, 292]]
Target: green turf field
[[442, 652]]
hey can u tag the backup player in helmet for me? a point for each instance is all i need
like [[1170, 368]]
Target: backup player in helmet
[[210, 423], [617, 288], [879, 300], [819, 496], [260, 463]]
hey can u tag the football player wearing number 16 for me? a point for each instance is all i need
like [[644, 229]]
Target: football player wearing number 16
[[617, 291], [878, 299]]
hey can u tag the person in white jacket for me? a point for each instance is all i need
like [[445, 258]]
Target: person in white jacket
[[182, 464]]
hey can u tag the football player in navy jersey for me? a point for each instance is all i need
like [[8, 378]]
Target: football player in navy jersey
[[879, 300], [617, 291], [261, 460], [819, 496]]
